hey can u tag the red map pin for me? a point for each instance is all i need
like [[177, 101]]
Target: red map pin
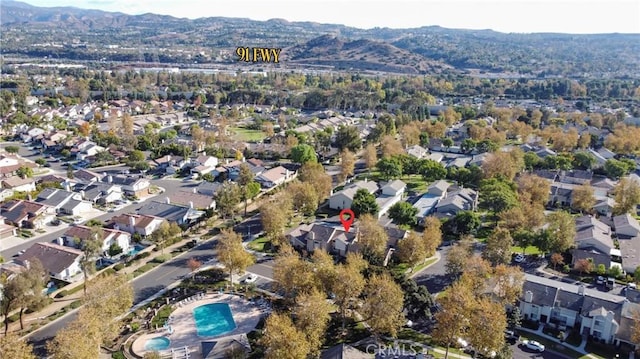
[[346, 223]]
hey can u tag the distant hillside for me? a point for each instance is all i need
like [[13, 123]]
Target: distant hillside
[[78, 34]]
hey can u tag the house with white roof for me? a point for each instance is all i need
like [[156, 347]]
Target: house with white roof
[[344, 198], [390, 194]]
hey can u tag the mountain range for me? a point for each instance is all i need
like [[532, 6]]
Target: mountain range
[[79, 34]]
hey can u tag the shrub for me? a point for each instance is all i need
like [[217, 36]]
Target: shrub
[[109, 271], [135, 327], [63, 293], [118, 355], [141, 256], [118, 267], [75, 304], [162, 258]]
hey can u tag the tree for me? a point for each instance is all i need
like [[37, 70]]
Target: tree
[[348, 137], [161, 234], [303, 154], [31, 283], [390, 167], [275, 215], [432, 170], [503, 164], [617, 168], [364, 203], [231, 253], [347, 164], [315, 174], [497, 195], [305, 197], [349, 286], [432, 235], [583, 198], [11, 346], [403, 213], [498, 248], [465, 222], [372, 238], [79, 339], [627, 196], [457, 258], [489, 336], [508, 282], [245, 177], [556, 259], [282, 340], [91, 248], [24, 172], [583, 160], [193, 264], [312, 318], [370, 156], [453, 318], [293, 276], [533, 189], [583, 265], [562, 230], [391, 147], [228, 198], [383, 304], [417, 299], [411, 250]]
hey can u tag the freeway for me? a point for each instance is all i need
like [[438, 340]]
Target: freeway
[[144, 286]]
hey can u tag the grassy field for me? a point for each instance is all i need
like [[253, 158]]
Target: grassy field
[[528, 250], [258, 244], [246, 135]]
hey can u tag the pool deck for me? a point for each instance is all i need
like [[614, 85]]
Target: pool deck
[[245, 314]]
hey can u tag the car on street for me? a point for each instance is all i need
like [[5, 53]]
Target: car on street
[[533, 345], [519, 258]]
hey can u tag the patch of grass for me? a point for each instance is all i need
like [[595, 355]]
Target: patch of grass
[[549, 344], [601, 350], [162, 316], [246, 135], [528, 250], [410, 334], [261, 244], [415, 183]]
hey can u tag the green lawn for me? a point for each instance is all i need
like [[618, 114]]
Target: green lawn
[[258, 244], [556, 346], [528, 250], [246, 135]]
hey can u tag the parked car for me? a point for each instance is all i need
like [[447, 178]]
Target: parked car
[[600, 280], [251, 278], [610, 283], [511, 337], [533, 345], [519, 258]]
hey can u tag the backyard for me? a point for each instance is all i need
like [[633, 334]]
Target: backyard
[[247, 135]]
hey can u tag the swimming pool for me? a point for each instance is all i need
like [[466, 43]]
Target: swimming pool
[[213, 319], [157, 343], [136, 249]]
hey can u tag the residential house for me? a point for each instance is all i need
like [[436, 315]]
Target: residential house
[[544, 152], [131, 185], [460, 199], [208, 188], [417, 151], [628, 233], [344, 198], [346, 351], [576, 177], [193, 199], [86, 149], [60, 262], [275, 177], [593, 240], [135, 223], [604, 206], [169, 164], [10, 163], [87, 176], [27, 214], [203, 164], [19, 184], [64, 202], [600, 315], [324, 236], [390, 194], [171, 212], [427, 202], [6, 231], [101, 192], [77, 234]]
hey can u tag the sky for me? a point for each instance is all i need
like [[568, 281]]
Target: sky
[[519, 16]]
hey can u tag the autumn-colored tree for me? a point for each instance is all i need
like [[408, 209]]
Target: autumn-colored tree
[[231, 253], [305, 197], [294, 276], [161, 235], [626, 195], [411, 250], [315, 174], [513, 218], [11, 346], [488, 337], [79, 339], [267, 128], [31, 283], [507, 281], [370, 156], [193, 264], [583, 198], [504, 164], [533, 189], [91, 248], [556, 259], [454, 315], [245, 177], [282, 340], [391, 146], [383, 305], [372, 238], [228, 198], [432, 235], [275, 215], [563, 231], [85, 129], [349, 286], [498, 248], [583, 265], [324, 270], [410, 134], [312, 318], [457, 258], [347, 164]]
